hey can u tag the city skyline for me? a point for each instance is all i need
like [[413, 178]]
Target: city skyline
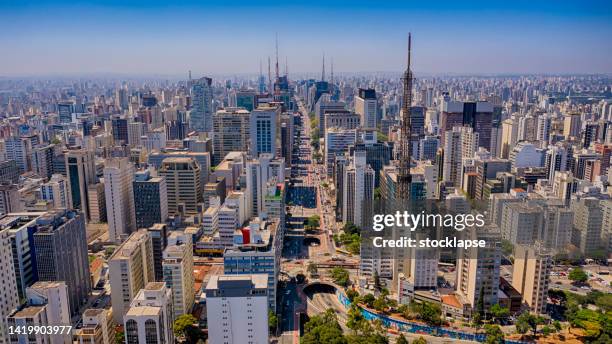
[[57, 38]]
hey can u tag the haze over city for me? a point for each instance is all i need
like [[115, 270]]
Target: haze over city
[[215, 37]]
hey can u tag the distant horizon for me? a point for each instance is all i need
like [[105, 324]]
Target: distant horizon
[[300, 75], [58, 37]]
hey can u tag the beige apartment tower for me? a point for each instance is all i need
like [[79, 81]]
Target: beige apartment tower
[[183, 184], [130, 269], [530, 277]]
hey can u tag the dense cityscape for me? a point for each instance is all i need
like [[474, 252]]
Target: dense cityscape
[[266, 207]]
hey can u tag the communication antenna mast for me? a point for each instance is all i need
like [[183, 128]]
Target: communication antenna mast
[[404, 178], [269, 76]]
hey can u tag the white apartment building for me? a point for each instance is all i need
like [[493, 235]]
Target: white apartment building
[[237, 308]]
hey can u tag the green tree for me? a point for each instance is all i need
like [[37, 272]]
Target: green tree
[[480, 303], [351, 228], [377, 193], [352, 294], [498, 312], [312, 268], [380, 304], [119, 337], [340, 276], [529, 321], [476, 320], [272, 321], [431, 313], [494, 334], [578, 275], [604, 302], [185, 326], [419, 340], [313, 222], [557, 325], [401, 339], [182, 323], [323, 328], [368, 300], [381, 137], [507, 247], [354, 318]]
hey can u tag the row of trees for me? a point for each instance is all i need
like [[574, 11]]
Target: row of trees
[[350, 238], [591, 313]]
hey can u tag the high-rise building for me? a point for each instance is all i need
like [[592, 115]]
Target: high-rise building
[[231, 132], [203, 160], [159, 239], [119, 194], [558, 158], [358, 191], [16, 150], [130, 268], [543, 126], [201, 114], [178, 272], [120, 130], [65, 110], [378, 154], [42, 160], [20, 228], [571, 125], [258, 173], [53, 294], [150, 199], [588, 221], [10, 201], [258, 252], [9, 172], [183, 183], [81, 172], [135, 132], [97, 203], [452, 157], [57, 192], [366, 106], [237, 308], [337, 142], [478, 271], [98, 327], [428, 147], [531, 275], [245, 98], [60, 244], [264, 131], [509, 137], [521, 223], [9, 299], [326, 105], [149, 318]]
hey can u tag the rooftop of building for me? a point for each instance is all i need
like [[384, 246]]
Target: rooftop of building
[[51, 220], [28, 312], [14, 221], [126, 249], [177, 160], [255, 281], [233, 111], [451, 300], [93, 312], [136, 311], [155, 286], [47, 284]]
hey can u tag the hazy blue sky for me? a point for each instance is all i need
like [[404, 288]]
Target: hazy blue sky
[[209, 37]]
